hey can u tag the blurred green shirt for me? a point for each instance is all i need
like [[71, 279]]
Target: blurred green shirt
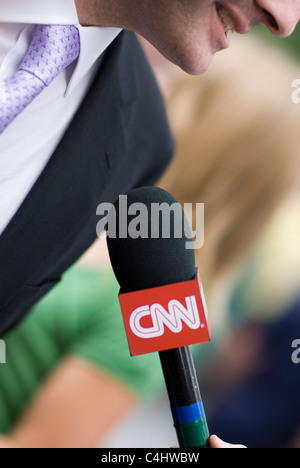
[[81, 317]]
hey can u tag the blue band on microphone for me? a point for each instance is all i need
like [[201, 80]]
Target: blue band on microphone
[[188, 414]]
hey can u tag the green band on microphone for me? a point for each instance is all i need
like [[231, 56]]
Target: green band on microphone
[[193, 434]]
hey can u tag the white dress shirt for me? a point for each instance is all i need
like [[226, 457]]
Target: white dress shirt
[[30, 140]]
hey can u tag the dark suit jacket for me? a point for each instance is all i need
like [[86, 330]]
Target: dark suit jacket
[[118, 140]]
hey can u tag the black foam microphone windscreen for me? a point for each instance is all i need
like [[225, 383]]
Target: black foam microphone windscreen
[[159, 257]]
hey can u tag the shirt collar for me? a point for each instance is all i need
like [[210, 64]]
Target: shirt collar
[[93, 40], [38, 12]]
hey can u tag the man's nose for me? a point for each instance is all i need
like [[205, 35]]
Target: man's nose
[[280, 16]]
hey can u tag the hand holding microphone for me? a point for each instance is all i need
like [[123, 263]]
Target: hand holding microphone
[[161, 298]]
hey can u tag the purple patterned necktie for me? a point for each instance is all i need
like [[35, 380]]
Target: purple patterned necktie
[[52, 49]]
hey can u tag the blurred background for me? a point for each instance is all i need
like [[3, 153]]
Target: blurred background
[[250, 386]]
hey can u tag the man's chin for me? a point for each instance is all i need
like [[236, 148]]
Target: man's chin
[[196, 65], [191, 58]]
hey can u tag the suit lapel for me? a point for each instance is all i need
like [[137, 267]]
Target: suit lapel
[[75, 176]]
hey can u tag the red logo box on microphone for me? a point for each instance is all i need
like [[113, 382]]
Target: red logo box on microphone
[[166, 317]]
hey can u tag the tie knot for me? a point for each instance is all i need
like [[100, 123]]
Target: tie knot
[[52, 49]]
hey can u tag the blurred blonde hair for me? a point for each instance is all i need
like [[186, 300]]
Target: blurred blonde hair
[[238, 146]]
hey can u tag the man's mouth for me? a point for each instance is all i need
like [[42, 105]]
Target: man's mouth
[[226, 19]]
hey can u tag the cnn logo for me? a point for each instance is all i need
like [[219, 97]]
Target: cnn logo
[[165, 317], [160, 317]]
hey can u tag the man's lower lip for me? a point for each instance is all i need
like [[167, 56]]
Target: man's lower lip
[[224, 37]]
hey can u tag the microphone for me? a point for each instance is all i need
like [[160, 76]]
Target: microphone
[[161, 297]]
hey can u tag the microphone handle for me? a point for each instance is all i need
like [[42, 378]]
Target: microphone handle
[[185, 399]]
